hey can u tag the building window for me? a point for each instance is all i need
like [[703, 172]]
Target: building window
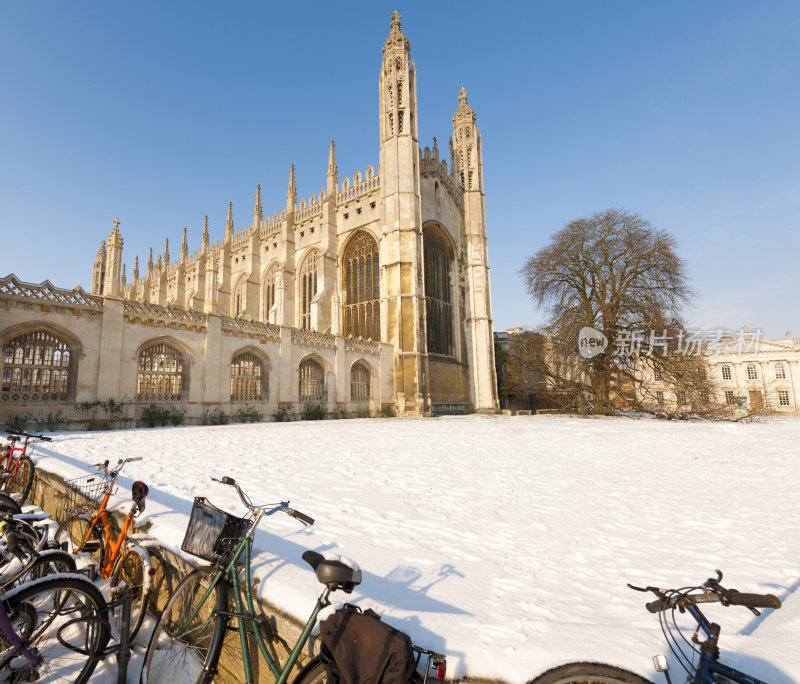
[[312, 381], [359, 383], [248, 378], [702, 374], [308, 283], [705, 398], [656, 374], [36, 366], [361, 287], [682, 398], [726, 372], [160, 376], [780, 371], [269, 292], [729, 397], [237, 306], [783, 398], [752, 372], [660, 397], [438, 294]]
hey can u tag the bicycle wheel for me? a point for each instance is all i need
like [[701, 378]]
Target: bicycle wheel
[[21, 479], [313, 673], [72, 532], [9, 504], [46, 563], [185, 648], [130, 576], [62, 620], [588, 673]]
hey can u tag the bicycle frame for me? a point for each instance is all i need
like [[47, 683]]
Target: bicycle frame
[[709, 664], [245, 610]]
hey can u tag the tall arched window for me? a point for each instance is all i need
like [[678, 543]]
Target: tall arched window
[[359, 382], [308, 283], [36, 367], [248, 378], [268, 292], [361, 287], [238, 303], [160, 376], [438, 294], [312, 381]]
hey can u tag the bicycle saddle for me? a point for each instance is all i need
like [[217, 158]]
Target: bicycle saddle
[[334, 574]]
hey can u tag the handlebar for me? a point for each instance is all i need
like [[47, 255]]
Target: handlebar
[[712, 591], [29, 435], [267, 509]]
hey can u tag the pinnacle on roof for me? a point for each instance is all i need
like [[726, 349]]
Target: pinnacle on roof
[[229, 223], [292, 191], [332, 159]]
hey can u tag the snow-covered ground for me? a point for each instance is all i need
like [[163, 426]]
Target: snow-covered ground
[[505, 542]]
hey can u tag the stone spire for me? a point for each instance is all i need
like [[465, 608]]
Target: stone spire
[[291, 193], [99, 270], [333, 172], [150, 262], [124, 278], [136, 269], [166, 253], [258, 214], [204, 239], [229, 224], [465, 146], [184, 246], [158, 262], [113, 265]]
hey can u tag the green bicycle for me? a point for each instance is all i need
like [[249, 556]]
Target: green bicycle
[[186, 644]]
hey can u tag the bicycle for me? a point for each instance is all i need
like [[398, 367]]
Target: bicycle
[[186, 643], [121, 558], [707, 670], [53, 629], [18, 467], [22, 559]]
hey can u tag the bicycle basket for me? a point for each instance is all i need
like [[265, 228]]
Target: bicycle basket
[[212, 533], [88, 491]]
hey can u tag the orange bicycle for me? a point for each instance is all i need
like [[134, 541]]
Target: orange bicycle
[[121, 558]]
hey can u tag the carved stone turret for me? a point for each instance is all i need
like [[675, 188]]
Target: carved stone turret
[[112, 287]]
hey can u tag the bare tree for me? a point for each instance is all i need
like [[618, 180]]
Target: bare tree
[[613, 272]]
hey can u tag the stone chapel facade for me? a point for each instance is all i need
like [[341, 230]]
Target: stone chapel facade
[[373, 292]]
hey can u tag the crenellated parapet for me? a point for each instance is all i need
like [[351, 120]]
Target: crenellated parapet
[[147, 313], [358, 187], [311, 338], [13, 288], [238, 326]]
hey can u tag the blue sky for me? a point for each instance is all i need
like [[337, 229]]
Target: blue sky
[[161, 113]]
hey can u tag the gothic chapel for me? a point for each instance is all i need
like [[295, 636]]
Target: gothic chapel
[[373, 293]]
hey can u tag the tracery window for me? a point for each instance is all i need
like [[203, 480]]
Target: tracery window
[[312, 381], [36, 367], [161, 373], [361, 287], [269, 292], [237, 306], [438, 294], [249, 380], [308, 283], [359, 382]]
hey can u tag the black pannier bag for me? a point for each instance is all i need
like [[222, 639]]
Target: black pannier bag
[[358, 648]]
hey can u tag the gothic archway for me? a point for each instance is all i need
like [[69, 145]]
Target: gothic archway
[[361, 309]]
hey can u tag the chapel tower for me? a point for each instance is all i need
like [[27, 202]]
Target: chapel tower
[[401, 220]]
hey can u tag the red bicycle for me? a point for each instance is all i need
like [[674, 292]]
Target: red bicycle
[[18, 468]]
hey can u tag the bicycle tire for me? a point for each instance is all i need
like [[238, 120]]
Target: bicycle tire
[[588, 673], [62, 619], [192, 655], [21, 479], [313, 673], [72, 532], [46, 563], [9, 504], [130, 571]]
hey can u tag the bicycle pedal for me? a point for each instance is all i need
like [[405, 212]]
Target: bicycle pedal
[[91, 546]]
